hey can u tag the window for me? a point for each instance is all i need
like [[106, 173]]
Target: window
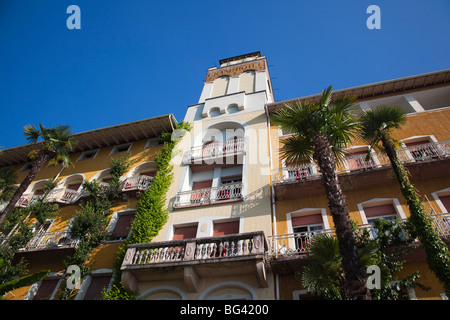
[[305, 228], [224, 228], [26, 166], [91, 154], [197, 196], [232, 192], [422, 150], [121, 224], [153, 142], [46, 289], [121, 148], [299, 172], [185, 232], [386, 212], [445, 202], [356, 160], [74, 186]]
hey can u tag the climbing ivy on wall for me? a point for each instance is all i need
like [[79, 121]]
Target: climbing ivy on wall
[[152, 212]]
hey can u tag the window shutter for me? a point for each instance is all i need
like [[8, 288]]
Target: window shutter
[[46, 289], [74, 186], [181, 233]]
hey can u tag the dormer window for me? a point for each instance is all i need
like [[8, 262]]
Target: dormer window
[[91, 154]]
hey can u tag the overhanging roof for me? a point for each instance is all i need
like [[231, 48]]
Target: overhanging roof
[[99, 138], [380, 89]]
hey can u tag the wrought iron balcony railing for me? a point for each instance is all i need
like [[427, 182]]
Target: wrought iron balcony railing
[[208, 195], [297, 243], [310, 171], [214, 150]]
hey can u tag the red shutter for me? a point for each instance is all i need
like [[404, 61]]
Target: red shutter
[[39, 192], [446, 202], [185, 233], [148, 173], [96, 286], [305, 220], [380, 210], [74, 186], [221, 229], [46, 289]]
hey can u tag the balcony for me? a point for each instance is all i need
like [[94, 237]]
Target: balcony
[[215, 153], [214, 195], [288, 251], [196, 258], [425, 160]]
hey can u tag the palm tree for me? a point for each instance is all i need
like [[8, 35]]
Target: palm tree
[[320, 132], [376, 127], [54, 148]]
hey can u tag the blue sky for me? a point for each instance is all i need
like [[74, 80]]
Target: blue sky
[[141, 58]]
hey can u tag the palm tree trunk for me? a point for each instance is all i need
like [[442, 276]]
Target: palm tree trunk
[[43, 157], [438, 255], [354, 274]]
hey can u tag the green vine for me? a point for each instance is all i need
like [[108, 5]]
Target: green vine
[[151, 213]]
